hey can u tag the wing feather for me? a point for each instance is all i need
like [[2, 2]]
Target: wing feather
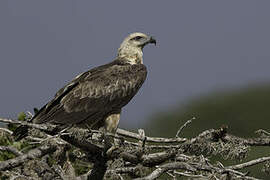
[[94, 94]]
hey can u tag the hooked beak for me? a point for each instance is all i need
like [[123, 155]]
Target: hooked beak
[[152, 40], [149, 40]]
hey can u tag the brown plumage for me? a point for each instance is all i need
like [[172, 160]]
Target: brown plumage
[[94, 95], [95, 98]]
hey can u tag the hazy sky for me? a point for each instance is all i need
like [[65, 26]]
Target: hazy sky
[[202, 46]]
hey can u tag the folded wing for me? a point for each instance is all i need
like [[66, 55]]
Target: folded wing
[[94, 94]]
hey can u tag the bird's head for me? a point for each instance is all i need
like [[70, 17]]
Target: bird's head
[[132, 46]]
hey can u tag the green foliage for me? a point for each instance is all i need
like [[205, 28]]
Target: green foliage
[[22, 145], [79, 165], [6, 155], [51, 161], [80, 168], [21, 117], [7, 140]]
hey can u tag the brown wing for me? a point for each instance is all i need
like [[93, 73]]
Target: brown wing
[[94, 94]]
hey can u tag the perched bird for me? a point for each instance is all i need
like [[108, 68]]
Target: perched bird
[[95, 98]]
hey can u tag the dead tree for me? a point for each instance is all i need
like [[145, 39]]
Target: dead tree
[[80, 154]]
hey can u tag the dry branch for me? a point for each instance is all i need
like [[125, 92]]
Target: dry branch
[[32, 154], [137, 156], [183, 126], [23, 123], [249, 163], [136, 136], [11, 149]]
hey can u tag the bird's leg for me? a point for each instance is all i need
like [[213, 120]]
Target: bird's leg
[[107, 141], [111, 123]]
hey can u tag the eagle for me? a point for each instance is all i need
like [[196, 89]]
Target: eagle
[[95, 98]]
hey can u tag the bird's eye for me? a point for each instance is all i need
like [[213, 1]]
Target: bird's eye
[[137, 38]]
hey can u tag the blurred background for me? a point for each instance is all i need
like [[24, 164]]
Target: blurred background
[[211, 61]]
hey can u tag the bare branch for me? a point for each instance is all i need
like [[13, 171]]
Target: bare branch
[[169, 166], [36, 126], [158, 158], [134, 158], [142, 136], [136, 136], [183, 126], [11, 149], [262, 132], [32, 154], [249, 163], [189, 175], [6, 130], [249, 141]]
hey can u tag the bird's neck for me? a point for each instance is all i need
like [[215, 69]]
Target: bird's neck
[[131, 57]]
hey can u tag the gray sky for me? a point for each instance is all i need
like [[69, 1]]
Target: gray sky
[[203, 46]]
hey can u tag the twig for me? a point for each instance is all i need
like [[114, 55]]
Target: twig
[[135, 160], [122, 170], [36, 126], [136, 136], [183, 126], [193, 167], [29, 114], [189, 175], [35, 140], [58, 169], [121, 132], [11, 149], [76, 137], [142, 136], [261, 131], [6, 130], [249, 163], [153, 159], [132, 135], [164, 168], [248, 141], [32, 154]]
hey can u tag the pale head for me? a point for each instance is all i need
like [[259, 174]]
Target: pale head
[[132, 46]]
